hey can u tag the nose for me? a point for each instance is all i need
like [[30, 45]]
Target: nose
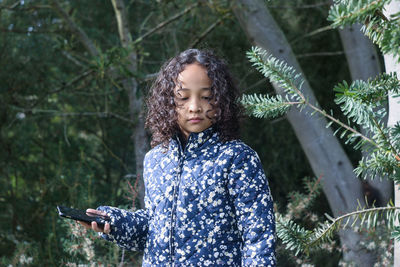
[[194, 105]]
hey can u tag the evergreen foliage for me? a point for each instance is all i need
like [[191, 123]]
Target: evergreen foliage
[[266, 106], [383, 31], [364, 105], [299, 239], [277, 71]]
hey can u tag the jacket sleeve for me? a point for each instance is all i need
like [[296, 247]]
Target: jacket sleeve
[[128, 229], [253, 203]]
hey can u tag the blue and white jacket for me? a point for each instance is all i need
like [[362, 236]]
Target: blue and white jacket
[[207, 204]]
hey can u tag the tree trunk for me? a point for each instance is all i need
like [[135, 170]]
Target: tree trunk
[[135, 99], [391, 65], [140, 140], [325, 154], [363, 63]]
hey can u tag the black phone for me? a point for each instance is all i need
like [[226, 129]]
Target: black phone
[[81, 215]]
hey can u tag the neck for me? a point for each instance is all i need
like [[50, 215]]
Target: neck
[[182, 139]]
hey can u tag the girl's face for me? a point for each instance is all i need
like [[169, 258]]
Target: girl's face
[[192, 98]]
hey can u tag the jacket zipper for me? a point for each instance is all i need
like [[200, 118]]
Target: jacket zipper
[[174, 204]]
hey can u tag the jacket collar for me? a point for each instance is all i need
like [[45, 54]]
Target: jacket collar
[[197, 140]]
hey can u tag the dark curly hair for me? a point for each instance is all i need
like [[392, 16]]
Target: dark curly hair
[[162, 116]]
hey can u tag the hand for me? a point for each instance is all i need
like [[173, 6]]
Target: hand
[[94, 225]]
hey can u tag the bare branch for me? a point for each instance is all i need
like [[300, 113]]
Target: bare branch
[[207, 31], [71, 114], [11, 7], [168, 21], [14, 6], [124, 34], [63, 86], [150, 77], [122, 20], [321, 54], [75, 29], [317, 31], [301, 6], [72, 58], [74, 80], [23, 31]]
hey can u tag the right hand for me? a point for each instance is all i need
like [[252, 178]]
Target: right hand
[[94, 226]]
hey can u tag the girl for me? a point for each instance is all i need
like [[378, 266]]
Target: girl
[[207, 198]]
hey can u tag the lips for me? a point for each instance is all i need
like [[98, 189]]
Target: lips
[[195, 119]]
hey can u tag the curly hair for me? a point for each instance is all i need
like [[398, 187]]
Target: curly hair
[[162, 116]]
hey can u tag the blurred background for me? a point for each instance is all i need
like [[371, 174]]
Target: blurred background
[[72, 90]]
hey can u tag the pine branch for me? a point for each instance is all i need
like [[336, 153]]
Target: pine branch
[[381, 30], [379, 163], [277, 71], [300, 239], [348, 12], [285, 76], [266, 106]]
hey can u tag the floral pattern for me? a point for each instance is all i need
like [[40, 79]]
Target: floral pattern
[[208, 204]]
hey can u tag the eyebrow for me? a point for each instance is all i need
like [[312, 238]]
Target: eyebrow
[[187, 89]]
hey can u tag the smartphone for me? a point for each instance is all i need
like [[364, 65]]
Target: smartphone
[[81, 215]]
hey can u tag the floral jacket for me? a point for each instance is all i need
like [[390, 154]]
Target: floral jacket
[[207, 204]]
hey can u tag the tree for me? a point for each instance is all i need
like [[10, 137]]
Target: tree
[[323, 150], [69, 109], [364, 64], [392, 65], [363, 102]]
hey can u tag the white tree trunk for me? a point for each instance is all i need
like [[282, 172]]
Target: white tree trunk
[[391, 65], [325, 154], [363, 63]]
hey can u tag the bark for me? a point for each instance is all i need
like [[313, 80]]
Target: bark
[[391, 65], [140, 140], [324, 152], [363, 63]]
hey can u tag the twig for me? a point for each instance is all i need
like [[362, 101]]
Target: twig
[[14, 6], [207, 31], [74, 80], [302, 7], [321, 54], [317, 31], [66, 114], [62, 87], [394, 151], [122, 21], [21, 31], [71, 58], [75, 29], [121, 264], [323, 112], [112, 154], [168, 21]]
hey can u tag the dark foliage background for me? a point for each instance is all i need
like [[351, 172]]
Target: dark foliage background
[[57, 145]]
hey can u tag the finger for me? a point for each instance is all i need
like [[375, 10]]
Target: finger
[[93, 211], [84, 224], [96, 228], [107, 228]]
